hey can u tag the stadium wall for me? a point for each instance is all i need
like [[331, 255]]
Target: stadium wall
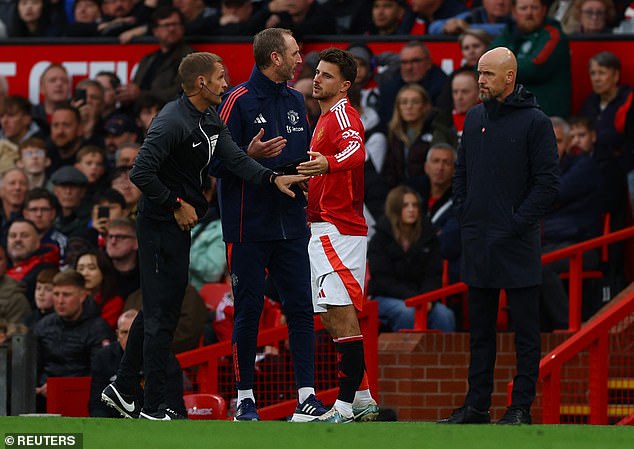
[[423, 376]]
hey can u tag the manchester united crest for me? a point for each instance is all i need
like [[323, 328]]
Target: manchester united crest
[[293, 117]]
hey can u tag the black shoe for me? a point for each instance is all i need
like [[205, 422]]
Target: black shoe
[[123, 403], [467, 415], [516, 415], [164, 414]]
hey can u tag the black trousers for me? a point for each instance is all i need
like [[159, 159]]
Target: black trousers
[[483, 306], [164, 267]]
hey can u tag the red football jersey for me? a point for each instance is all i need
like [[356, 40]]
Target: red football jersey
[[337, 196]]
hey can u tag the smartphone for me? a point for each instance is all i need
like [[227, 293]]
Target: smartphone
[[103, 212], [80, 95], [291, 167]]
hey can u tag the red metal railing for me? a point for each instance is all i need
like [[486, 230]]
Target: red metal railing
[[575, 279], [590, 377], [210, 368]]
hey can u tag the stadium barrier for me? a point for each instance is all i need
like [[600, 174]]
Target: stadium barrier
[[210, 369]]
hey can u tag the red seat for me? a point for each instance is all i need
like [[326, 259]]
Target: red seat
[[68, 396], [205, 406], [212, 293]]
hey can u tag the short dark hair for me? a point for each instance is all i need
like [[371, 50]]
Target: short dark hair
[[69, 277], [195, 64], [111, 196], [40, 193], [164, 12], [17, 103], [342, 59], [266, 42], [46, 275]]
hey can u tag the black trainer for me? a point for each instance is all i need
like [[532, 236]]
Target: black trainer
[[164, 414], [516, 415], [125, 404], [467, 415]]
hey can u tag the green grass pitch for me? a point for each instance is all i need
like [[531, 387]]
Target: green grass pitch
[[137, 434]]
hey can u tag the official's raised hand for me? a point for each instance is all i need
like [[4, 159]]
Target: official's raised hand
[[317, 165], [283, 183], [259, 149]]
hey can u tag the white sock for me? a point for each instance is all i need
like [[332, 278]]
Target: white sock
[[244, 394], [345, 408], [304, 392], [362, 398]]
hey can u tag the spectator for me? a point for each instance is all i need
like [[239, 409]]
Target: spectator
[[89, 99], [98, 272], [16, 121], [27, 256], [103, 368], [197, 16], [157, 71], [375, 188], [91, 161], [146, 109], [14, 307], [542, 53], [439, 168], [55, 90], [110, 82], [120, 181], [66, 137], [575, 217], [464, 95], [416, 67], [120, 129], [34, 161], [43, 296], [120, 16], [122, 248], [404, 260], [425, 12], [387, 17], [207, 255], [491, 17], [32, 18], [191, 321], [69, 187], [126, 154], [107, 206], [590, 16], [352, 16], [13, 187], [87, 15], [409, 136], [68, 339], [305, 87], [40, 207], [235, 19], [302, 17], [366, 62]]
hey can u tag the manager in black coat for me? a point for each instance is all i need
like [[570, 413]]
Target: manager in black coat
[[506, 179]]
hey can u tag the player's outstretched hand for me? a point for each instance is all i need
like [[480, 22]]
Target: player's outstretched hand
[[317, 165], [259, 149], [284, 182]]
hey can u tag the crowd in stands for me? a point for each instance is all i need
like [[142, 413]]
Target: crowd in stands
[[68, 245]]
